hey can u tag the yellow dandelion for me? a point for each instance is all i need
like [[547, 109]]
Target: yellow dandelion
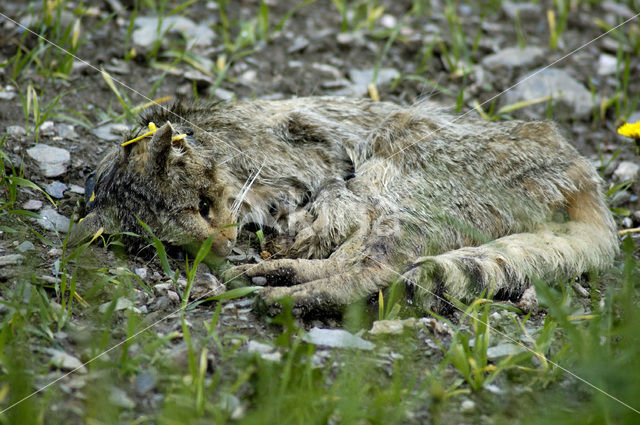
[[630, 130]]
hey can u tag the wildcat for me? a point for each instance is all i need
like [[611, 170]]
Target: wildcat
[[359, 193]]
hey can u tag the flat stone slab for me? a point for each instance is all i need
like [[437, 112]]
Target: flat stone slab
[[51, 220], [337, 338], [51, 160]]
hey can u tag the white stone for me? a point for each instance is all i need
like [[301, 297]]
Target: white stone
[[52, 161], [51, 220], [337, 338], [626, 171], [513, 56], [607, 64], [16, 131], [66, 361]]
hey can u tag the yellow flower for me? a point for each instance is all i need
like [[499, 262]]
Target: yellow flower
[[630, 130]]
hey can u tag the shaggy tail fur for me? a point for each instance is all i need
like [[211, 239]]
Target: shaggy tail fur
[[504, 267]]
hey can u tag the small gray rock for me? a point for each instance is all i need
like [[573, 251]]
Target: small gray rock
[[119, 397], [503, 350], [16, 131], [52, 161], [32, 205], [266, 351], [391, 327], [25, 247], [512, 57], [467, 405], [56, 189], [223, 94], [361, 78], [76, 189], [111, 132], [618, 8], [67, 132], [337, 338], [48, 128], [141, 272], [51, 220], [388, 21], [145, 382], [248, 77], [607, 64], [147, 31], [199, 77], [121, 304], [11, 259], [626, 171], [299, 44], [7, 95], [66, 361], [570, 98], [525, 11]]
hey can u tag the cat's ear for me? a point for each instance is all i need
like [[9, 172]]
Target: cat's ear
[[160, 149]]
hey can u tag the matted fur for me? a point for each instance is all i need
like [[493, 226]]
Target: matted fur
[[359, 191]]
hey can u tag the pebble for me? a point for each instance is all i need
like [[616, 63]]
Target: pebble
[[11, 259], [388, 21], [173, 296], [570, 98], [48, 128], [527, 12], [119, 398], [25, 247], [121, 304], [503, 350], [141, 272], [145, 381], [266, 351], [51, 220], [361, 78], [199, 77], [54, 252], [618, 8], [512, 57], [67, 132], [224, 94], [298, 44], [467, 406], [32, 205], [65, 361], [52, 161], [249, 77], [7, 95], [56, 189], [16, 131], [607, 64], [207, 285], [391, 327], [147, 30], [337, 338], [76, 189], [111, 132], [626, 171]]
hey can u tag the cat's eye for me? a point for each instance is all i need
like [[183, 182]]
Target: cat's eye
[[204, 206]]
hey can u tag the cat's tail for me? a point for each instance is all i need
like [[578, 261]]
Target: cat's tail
[[503, 268]]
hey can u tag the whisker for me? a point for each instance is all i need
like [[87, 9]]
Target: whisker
[[235, 208]]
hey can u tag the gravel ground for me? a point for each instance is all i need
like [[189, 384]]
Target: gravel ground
[[458, 53]]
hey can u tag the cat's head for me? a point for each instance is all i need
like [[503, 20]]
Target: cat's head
[[169, 184]]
